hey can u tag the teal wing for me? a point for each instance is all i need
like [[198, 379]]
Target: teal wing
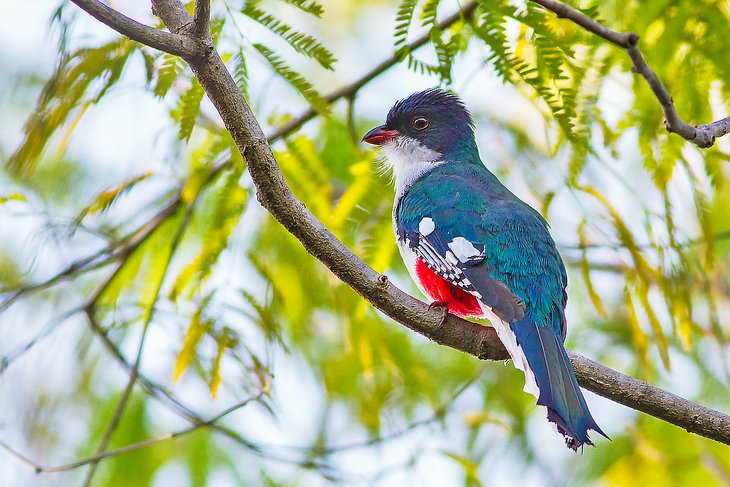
[[444, 229], [521, 254]]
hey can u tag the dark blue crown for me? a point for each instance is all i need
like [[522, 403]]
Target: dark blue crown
[[432, 101]]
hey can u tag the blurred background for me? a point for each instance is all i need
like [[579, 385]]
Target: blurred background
[[131, 240]]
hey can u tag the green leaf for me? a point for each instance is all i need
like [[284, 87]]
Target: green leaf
[[308, 6], [82, 78], [188, 109], [301, 42], [240, 72], [403, 20], [429, 12], [104, 200], [167, 74], [295, 79], [196, 330]]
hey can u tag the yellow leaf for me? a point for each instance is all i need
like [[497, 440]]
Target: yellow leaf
[[71, 126], [659, 337], [215, 373], [226, 340], [470, 468], [196, 331], [476, 418], [353, 195], [586, 272], [639, 337], [12, 197]]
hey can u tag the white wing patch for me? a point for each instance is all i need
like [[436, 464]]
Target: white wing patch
[[426, 226], [465, 251], [445, 266]]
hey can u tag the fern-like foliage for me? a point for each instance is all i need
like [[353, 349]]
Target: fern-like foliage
[[295, 79], [403, 20], [428, 12], [81, 79], [220, 215], [543, 62], [308, 6], [445, 50], [240, 72], [167, 74], [299, 41], [104, 200], [188, 109]]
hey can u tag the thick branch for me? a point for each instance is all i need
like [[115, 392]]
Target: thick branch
[[173, 15], [275, 195], [702, 136], [178, 45], [651, 400], [201, 18]]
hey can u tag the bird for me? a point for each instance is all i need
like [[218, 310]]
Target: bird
[[474, 247]]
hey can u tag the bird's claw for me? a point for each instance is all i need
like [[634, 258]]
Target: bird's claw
[[442, 305]]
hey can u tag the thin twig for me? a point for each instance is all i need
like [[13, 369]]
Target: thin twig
[[703, 136], [165, 397], [11, 357], [717, 237], [95, 459], [179, 45], [91, 309], [118, 410], [106, 256], [115, 251]]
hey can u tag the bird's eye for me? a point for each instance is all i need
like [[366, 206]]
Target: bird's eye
[[420, 123]]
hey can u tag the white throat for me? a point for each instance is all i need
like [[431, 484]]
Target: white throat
[[408, 160]]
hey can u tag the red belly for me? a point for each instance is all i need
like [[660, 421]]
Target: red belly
[[459, 302]]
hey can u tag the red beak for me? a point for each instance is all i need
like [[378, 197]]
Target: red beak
[[380, 135]]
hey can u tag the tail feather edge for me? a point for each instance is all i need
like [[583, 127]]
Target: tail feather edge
[[539, 353]]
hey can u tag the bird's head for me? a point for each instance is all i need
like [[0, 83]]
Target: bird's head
[[425, 129], [434, 119]]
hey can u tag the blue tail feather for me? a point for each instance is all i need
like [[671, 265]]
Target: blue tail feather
[[559, 390]]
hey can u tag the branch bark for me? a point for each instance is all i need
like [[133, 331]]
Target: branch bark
[[703, 136], [178, 45], [274, 194], [201, 18]]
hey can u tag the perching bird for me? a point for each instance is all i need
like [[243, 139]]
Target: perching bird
[[472, 245]]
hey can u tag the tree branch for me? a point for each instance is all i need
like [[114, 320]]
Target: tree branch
[[703, 136], [274, 194], [201, 18], [179, 45]]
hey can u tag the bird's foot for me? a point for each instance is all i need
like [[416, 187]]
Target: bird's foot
[[441, 305]]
